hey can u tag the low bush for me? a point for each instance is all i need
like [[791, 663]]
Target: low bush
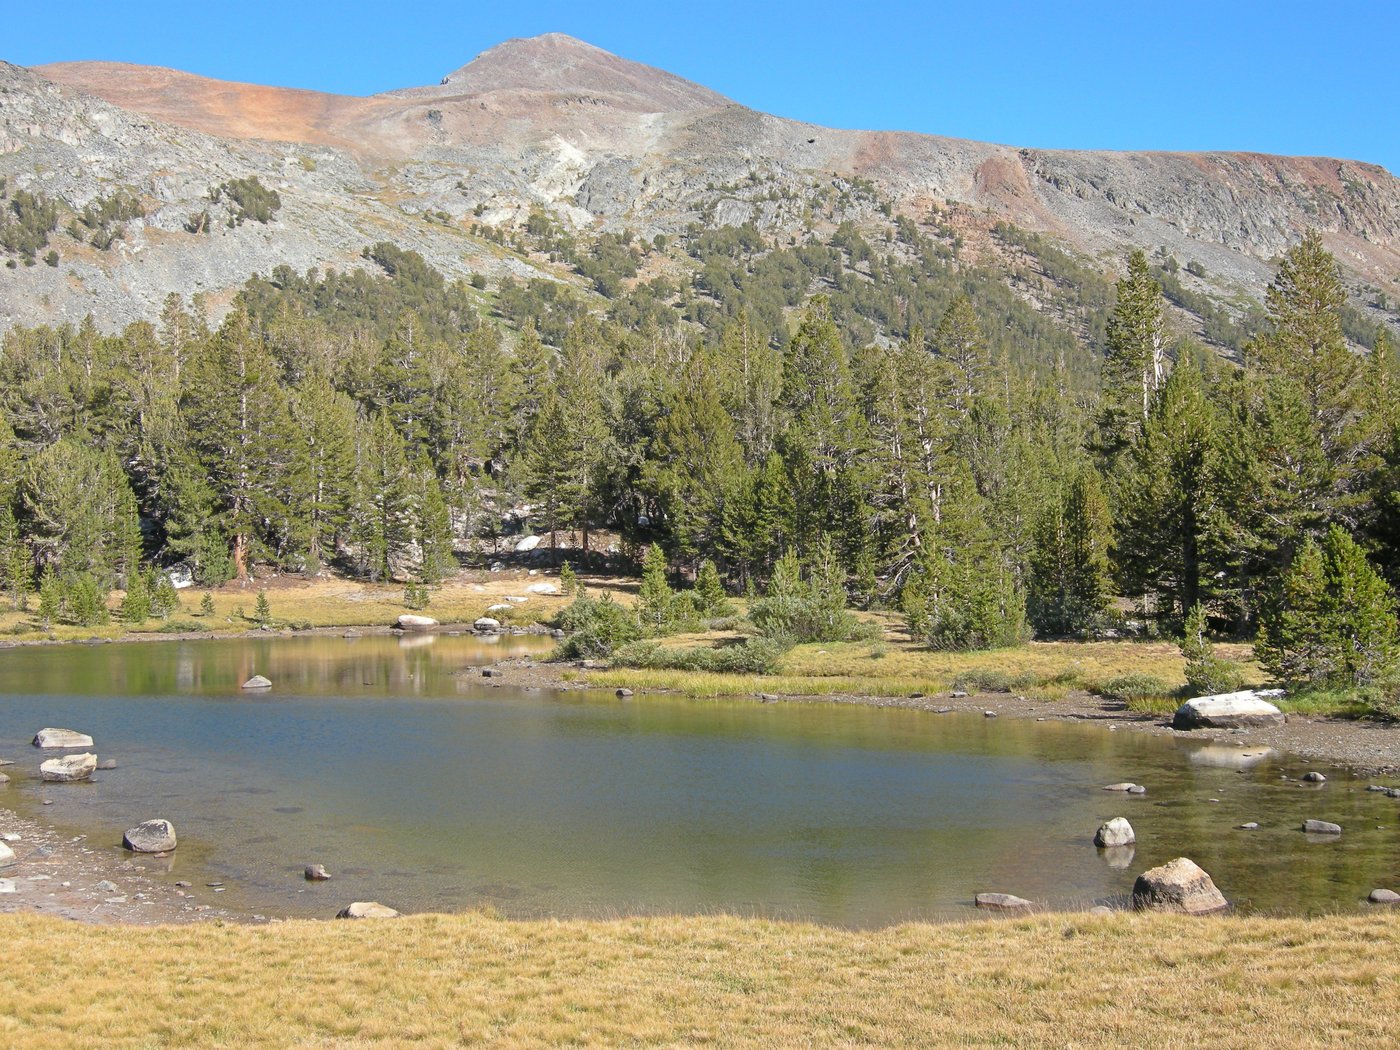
[[751, 656], [595, 627], [1132, 688]]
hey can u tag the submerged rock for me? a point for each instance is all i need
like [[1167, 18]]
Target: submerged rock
[[366, 910], [1179, 885], [68, 768], [1003, 902], [56, 738], [1314, 778], [150, 836], [1115, 832], [316, 873], [1229, 711], [257, 682], [1124, 786]]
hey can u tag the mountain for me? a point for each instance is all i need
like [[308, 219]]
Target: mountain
[[598, 143]]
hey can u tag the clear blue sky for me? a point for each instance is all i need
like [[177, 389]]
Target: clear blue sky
[[1279, 77]]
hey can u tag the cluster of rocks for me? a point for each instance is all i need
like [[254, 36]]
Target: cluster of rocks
[[150, 836]]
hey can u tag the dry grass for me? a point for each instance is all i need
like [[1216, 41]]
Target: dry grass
[[898, 667], [430, 981], [319, 603]]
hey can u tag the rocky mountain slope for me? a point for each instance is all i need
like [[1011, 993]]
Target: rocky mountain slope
[[598, 143]]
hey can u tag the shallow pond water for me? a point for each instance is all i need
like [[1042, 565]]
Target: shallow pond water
[[418, 783]]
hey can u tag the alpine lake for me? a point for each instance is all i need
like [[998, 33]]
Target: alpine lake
[[422, 784]]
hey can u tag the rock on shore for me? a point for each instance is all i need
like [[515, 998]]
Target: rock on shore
[[1002, 902], [150, 836], [1229, 711], [410, 622], [366, 910], [1179, 885]]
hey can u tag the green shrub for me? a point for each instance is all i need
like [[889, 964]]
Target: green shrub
[[1206, 673], [1130, 688], [813, 609], [595, 627], [181, 626], [750, 656]]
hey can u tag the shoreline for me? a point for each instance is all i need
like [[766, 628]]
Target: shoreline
[[76, 879]]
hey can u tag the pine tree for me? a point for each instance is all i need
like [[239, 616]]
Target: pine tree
[[1166, 544], [1070, 578], [136, 604], [262, 609], [382, 524], [1333, 620], [958, 340], [1134, 358], [16, 563], [50, 596], [710, 599], [206, 604], [655, 599], [695, 463]]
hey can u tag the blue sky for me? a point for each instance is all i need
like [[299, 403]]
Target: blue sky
[[1280, 77]]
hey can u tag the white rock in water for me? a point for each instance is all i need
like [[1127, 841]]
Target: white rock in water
[[150, 836], [1115, 832], [1002, 902], [367, 910], [69, 767], [486, 623], [1179, 885], [257, 682], [528, 543], [7, 855], [1229, 711], [542, 588], [410, 622], [52, 738]]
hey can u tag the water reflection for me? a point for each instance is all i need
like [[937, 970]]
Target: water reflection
[[424, 787]]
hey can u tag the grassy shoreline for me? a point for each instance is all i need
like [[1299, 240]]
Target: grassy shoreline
[[437, 980]]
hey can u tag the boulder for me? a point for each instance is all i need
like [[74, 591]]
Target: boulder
[[516, 599], [4, 779], [622, 694], [1115, 832], [316, 873], [366, 910], [1314, 777], [56, 738], [486, 624], [107, 763], [1179, 885], [1384, 897], [1249, 707], [69, 767], [7, 855], [1137, 789], [257, 682], [527, 543], [1321, 827], [498, 607], [150, 836], [412, 622], [542, 588], [1126, 785], [1002, 902]]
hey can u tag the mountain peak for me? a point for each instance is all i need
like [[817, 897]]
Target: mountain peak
[[557, 62]]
